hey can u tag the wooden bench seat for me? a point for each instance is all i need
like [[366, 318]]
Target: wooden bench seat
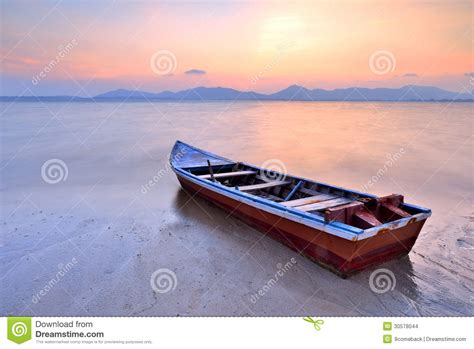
[[263, 185], [324, 204], [228, 174], [308, 200]]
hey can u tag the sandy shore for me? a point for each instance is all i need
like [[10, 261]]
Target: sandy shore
[[91, 244]]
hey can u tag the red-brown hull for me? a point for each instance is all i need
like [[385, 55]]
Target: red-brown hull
[[342, 256]]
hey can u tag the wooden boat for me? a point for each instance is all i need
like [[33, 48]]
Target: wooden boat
[[343, 230]]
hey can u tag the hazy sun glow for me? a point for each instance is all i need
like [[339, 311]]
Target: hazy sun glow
[[257, 46], [279, 33]]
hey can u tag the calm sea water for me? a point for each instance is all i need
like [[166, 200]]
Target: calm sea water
[[118, 210]]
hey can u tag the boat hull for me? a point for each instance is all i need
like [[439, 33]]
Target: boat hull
[[342, 256]]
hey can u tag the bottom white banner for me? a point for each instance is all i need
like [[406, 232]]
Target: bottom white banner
[[218, 332]]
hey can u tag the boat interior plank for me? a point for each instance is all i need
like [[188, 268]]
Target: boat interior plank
[[263, 185], [228, 174], [324, 204], [309, 200]]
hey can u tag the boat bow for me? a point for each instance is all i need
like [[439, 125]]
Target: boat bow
[[186, 156]]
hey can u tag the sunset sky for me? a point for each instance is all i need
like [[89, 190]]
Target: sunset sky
[[89, 47]]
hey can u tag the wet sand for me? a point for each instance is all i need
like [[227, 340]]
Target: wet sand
[[103, 231]]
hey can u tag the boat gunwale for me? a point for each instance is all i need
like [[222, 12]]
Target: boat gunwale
[[340, 229]]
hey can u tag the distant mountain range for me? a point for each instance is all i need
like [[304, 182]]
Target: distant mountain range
[[291, 93]]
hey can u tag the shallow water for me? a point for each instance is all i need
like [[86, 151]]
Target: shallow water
[[120, 214]]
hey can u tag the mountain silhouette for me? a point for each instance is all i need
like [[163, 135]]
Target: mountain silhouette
[[291, 93]]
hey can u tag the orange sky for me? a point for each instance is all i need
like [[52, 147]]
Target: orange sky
[[256, 46]]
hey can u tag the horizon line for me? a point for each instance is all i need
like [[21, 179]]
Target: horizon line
[[231, 88]]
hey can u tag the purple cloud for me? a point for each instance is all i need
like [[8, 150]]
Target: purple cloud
[[195, 72]]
